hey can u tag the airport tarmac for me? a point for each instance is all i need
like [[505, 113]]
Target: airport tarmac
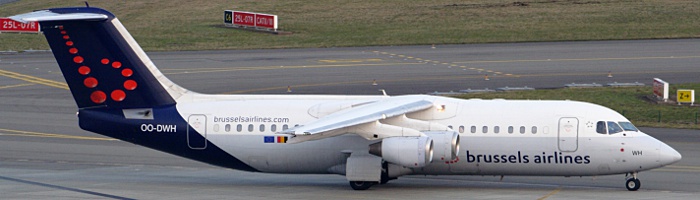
[[44, 155]]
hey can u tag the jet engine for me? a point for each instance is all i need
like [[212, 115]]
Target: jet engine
[[446, 144], [410, 152]]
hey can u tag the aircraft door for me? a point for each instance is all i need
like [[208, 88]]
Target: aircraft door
[[568, 134], [197, 132]]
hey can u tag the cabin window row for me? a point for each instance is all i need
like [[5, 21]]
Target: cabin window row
[[497, 129], [251, 127]]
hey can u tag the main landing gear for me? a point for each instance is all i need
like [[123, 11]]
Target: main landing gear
[[633, 182], [361, 185], [364, 185]]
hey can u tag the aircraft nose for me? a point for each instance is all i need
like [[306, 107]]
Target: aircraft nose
[[668, 155]]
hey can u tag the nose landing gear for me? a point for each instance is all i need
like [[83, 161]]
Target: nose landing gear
[[633, 182]]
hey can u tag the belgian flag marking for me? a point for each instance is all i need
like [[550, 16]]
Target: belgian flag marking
[[281, 139], [275, 139]]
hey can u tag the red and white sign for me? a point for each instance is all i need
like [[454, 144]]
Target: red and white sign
[[660, 89], [243, 18], [250, 19], [9, 25], [266, 21]]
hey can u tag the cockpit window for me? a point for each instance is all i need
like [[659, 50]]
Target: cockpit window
[[614, 128], [628, 126], [600, 128]]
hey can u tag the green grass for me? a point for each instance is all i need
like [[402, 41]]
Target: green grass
[[629, 101], [197, 24]]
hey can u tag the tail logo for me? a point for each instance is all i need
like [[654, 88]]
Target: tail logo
[[99, 96]]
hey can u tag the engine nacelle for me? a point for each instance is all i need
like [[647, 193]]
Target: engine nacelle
[[410, 152], [446, 144]]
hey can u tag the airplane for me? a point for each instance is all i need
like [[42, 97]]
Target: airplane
[[370, 139]]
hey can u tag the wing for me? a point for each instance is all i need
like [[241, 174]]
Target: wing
[[379, 119]]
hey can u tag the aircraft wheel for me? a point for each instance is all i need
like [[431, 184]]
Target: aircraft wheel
[[361, 185], [633, 184], [385, 173]]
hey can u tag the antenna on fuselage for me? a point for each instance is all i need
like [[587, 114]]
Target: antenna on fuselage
[[383, 92]]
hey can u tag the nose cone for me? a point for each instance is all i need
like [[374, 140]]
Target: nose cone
[[668, 155]]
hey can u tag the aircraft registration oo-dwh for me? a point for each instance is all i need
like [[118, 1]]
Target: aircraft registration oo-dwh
[[369, 139]]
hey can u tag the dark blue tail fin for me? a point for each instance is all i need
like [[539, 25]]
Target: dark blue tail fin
[[102, 64]]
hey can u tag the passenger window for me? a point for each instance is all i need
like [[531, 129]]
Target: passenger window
[[450, 126], [496, 129], [522, 130], [534, 129], [484, 129], [473, 129], [273, 128], [461, 129], [285, 127], [262, 127], [510, 129], [216, 127], [239, 128], [614, 128], [227, 128], [250, 127]]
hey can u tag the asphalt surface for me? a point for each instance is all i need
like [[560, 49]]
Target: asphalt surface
[[44, 155]]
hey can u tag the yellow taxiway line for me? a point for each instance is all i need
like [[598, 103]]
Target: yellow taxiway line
[[9, 132], [34, 79]]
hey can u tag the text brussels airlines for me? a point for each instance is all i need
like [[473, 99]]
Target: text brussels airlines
[[544, 158], [250, 119]]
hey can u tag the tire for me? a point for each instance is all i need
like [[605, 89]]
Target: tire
[[361, 185], [385, 173], [633, 184]]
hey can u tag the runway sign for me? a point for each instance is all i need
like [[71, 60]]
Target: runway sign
[[9, 25], [250, 19], [660, 89], [266, 21]]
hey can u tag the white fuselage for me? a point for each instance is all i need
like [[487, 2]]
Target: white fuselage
[[498, 137]]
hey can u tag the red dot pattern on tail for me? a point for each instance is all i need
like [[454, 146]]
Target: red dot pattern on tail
[[84, 70], [98, 96]]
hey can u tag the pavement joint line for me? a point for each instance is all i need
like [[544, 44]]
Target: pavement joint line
[[350, 82], [350, 60], [683, 167], [17, 85], [439, 78], [580, 59], [34, 79], [677, 170], [508, 183], [51, 135], [452, 64], [196, 71], [58, 187]]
